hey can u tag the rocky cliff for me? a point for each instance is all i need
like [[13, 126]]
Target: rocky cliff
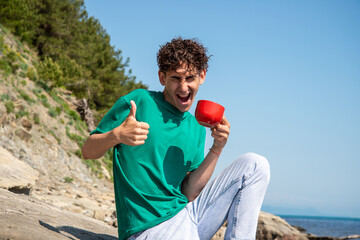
[[40, 137]]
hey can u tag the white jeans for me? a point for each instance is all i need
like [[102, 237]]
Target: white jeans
[[236, 195]]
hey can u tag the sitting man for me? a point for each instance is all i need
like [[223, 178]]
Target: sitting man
[[160, 172]]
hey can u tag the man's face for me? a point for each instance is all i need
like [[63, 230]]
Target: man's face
[[181, 86]]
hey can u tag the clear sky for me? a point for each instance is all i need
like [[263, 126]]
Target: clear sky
[[288, 74]]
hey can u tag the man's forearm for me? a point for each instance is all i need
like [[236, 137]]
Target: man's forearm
[[97, 145], [196, 180]]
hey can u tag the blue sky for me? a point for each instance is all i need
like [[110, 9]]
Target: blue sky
[[288, 75]]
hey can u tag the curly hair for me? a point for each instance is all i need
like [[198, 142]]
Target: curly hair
[[182, 51]]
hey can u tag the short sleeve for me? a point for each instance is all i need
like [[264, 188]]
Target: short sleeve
[[199, 157], [114, 118]]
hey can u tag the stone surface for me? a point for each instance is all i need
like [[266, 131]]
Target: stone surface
[[274, 227], [26, 218], [270, 227], [26, 124], [16, 175], [23, 134]]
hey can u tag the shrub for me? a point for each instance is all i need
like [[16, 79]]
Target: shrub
[[56, 98], [21, 113], [78, 153], [5, 97], [37, 91], [76, 138], [79, 127], [24, 56], [52, 112], [36, 118], [30, 73], [14, 67], [12, 57], [50, 72], [9, 107], [22, 74], [5, 66], [68, 179], [74, 115], [23, 66], [25, 96], [58, 110], [44, 101]]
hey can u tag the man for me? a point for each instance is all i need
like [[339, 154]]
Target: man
[[160, 171]]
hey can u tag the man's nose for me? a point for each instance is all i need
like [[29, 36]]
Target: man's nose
[[183, 86]]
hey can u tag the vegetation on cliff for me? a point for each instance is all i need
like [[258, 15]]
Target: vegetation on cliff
[[29, 101], [74, 50]]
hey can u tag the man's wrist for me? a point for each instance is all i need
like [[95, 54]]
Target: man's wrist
[[217, 153], [216, 150]]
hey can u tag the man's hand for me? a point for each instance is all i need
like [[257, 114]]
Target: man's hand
[[131, 132], [220, 133]]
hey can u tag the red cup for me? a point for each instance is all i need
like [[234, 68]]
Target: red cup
[[209, 114]]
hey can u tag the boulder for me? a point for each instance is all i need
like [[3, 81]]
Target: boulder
[[23, 134], [26, 124], [16, 175], [274, 227], [25, 218], [270, 227]]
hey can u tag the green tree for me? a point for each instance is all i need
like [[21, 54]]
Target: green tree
[[74, 47]]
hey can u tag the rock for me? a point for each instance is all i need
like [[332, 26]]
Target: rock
[[274, 227], [16, 175], [99, 215], [26, 218], [270, 227], [26, 124], [86, 203], [23, 134]]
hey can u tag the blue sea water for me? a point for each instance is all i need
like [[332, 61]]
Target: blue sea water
[[326, 226]]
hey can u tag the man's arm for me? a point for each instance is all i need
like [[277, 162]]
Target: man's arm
[[130, 132], [195, 181]]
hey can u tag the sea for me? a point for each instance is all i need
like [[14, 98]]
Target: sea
[[326, 226]]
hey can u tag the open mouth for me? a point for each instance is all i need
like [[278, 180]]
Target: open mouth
[[183, 97]]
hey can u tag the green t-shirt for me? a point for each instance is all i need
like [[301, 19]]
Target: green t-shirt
[[147, 178]]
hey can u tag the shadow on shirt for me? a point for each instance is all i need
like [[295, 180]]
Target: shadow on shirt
[[175, 167]]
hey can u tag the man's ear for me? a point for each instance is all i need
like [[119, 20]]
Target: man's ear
[[161, 78], [202, 76]]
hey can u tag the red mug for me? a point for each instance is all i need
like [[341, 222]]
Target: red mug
[[208, 113]]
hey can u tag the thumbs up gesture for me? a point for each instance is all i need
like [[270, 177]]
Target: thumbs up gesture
[[131, 132]]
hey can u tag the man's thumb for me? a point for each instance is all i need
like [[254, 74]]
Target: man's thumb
[[133, 109]]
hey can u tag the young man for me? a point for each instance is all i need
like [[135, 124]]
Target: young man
[[160, 171]]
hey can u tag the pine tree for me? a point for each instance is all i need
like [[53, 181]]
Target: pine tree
[[76, 46]]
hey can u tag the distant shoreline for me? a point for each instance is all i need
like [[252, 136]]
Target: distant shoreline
[[316, 217], [335, 227]]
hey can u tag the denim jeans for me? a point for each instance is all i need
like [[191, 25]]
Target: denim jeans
[[236, 195]]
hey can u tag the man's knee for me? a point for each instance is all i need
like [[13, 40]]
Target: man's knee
[[259, 164]]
